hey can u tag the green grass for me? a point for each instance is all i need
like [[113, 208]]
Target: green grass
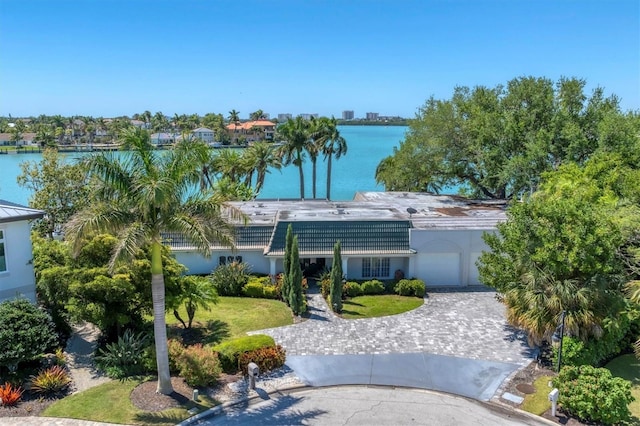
[[628, 367], [378, 306], [233, 317], [97, 404], [537, 403]]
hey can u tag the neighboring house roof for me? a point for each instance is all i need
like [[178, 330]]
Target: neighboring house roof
[[26, 136], [163, 136], [202, 130], [12, 212], [356, 237], [247, 125]]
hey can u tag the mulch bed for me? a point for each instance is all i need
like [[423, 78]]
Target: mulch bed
[[145, 397], [30, 405]]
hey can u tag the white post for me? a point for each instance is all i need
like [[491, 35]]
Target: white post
[[553, 397]]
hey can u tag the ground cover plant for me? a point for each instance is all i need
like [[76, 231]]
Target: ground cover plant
[[538, 402], [378, 306]]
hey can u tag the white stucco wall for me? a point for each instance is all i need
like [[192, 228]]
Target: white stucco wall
[[446, 257], [200, 265], [19, 278]]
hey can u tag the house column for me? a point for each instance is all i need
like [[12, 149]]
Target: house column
[[345, 261], [272, 266]]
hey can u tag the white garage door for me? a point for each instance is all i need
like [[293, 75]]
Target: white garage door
[[474, 275], [439, 269]]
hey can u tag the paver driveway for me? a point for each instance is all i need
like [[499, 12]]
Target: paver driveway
[[467, 324]]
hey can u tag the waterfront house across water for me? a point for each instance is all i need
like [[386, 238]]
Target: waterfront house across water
[[437, 238]]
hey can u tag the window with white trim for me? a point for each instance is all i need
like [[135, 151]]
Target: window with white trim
[[375, 267], [3, 257]]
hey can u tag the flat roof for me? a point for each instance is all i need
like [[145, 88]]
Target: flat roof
[[424, 210]]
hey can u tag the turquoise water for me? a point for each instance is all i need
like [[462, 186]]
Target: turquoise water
[[367, 145]]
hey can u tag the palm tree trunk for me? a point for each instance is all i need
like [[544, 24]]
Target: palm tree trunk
[[313, 177], [301, 181], [329, 177], [159, 324]]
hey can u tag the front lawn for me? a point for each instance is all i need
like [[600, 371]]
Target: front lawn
[[234, 316], [628, 367], [111, 403], [379, 306]]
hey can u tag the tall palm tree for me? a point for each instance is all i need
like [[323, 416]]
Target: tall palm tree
[[228, 162], [314, 148], [333, 145], [259, 158], [295, 134], [257, 115], [141, 196], [234, 118]]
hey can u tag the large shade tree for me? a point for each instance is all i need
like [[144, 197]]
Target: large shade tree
[[560, 249], [496, 142], [142, 195]]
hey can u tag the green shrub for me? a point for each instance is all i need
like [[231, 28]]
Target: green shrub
[[261, 288], [229, 279], [51, 380], [593, 394], [124, 357], [351, 289], [618, 335], [267, 359], [325, 287], [199, 366], [372, 287], [230, 351], [413, 287], [26, 332]]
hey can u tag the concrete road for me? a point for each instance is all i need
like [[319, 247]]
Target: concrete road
[[365, 405]]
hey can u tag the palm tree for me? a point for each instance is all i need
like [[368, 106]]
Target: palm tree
[[141, 196], [334, 145], [228, 162], [314, 148], [234, 118], [257, 115], [260, 157], [295, 134]]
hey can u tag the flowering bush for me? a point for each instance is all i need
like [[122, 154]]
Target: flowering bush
[[199, 366], [593, 394]]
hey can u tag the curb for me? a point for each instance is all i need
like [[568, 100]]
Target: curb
[[219, 408]]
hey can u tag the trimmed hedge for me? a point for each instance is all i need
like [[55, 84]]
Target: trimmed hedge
[[229, 352], [351, 289], [413, 287], [372, 287]]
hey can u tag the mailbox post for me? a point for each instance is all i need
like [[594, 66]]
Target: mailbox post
[[253, 371], [553, 397]]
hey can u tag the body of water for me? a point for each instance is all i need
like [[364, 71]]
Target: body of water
[[354, 172]]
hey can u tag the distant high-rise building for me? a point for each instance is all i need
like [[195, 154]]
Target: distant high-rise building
[[284, 117], [373, 116], [347, 115], [308, 116]]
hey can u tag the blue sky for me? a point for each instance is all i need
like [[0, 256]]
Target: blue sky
[[114, 57]]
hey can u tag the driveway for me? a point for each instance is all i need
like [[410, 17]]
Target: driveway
[[457, 342]]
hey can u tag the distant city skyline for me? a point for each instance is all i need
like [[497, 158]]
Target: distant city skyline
[[114, 58]]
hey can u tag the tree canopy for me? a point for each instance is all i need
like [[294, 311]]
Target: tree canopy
[[497, 142]]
